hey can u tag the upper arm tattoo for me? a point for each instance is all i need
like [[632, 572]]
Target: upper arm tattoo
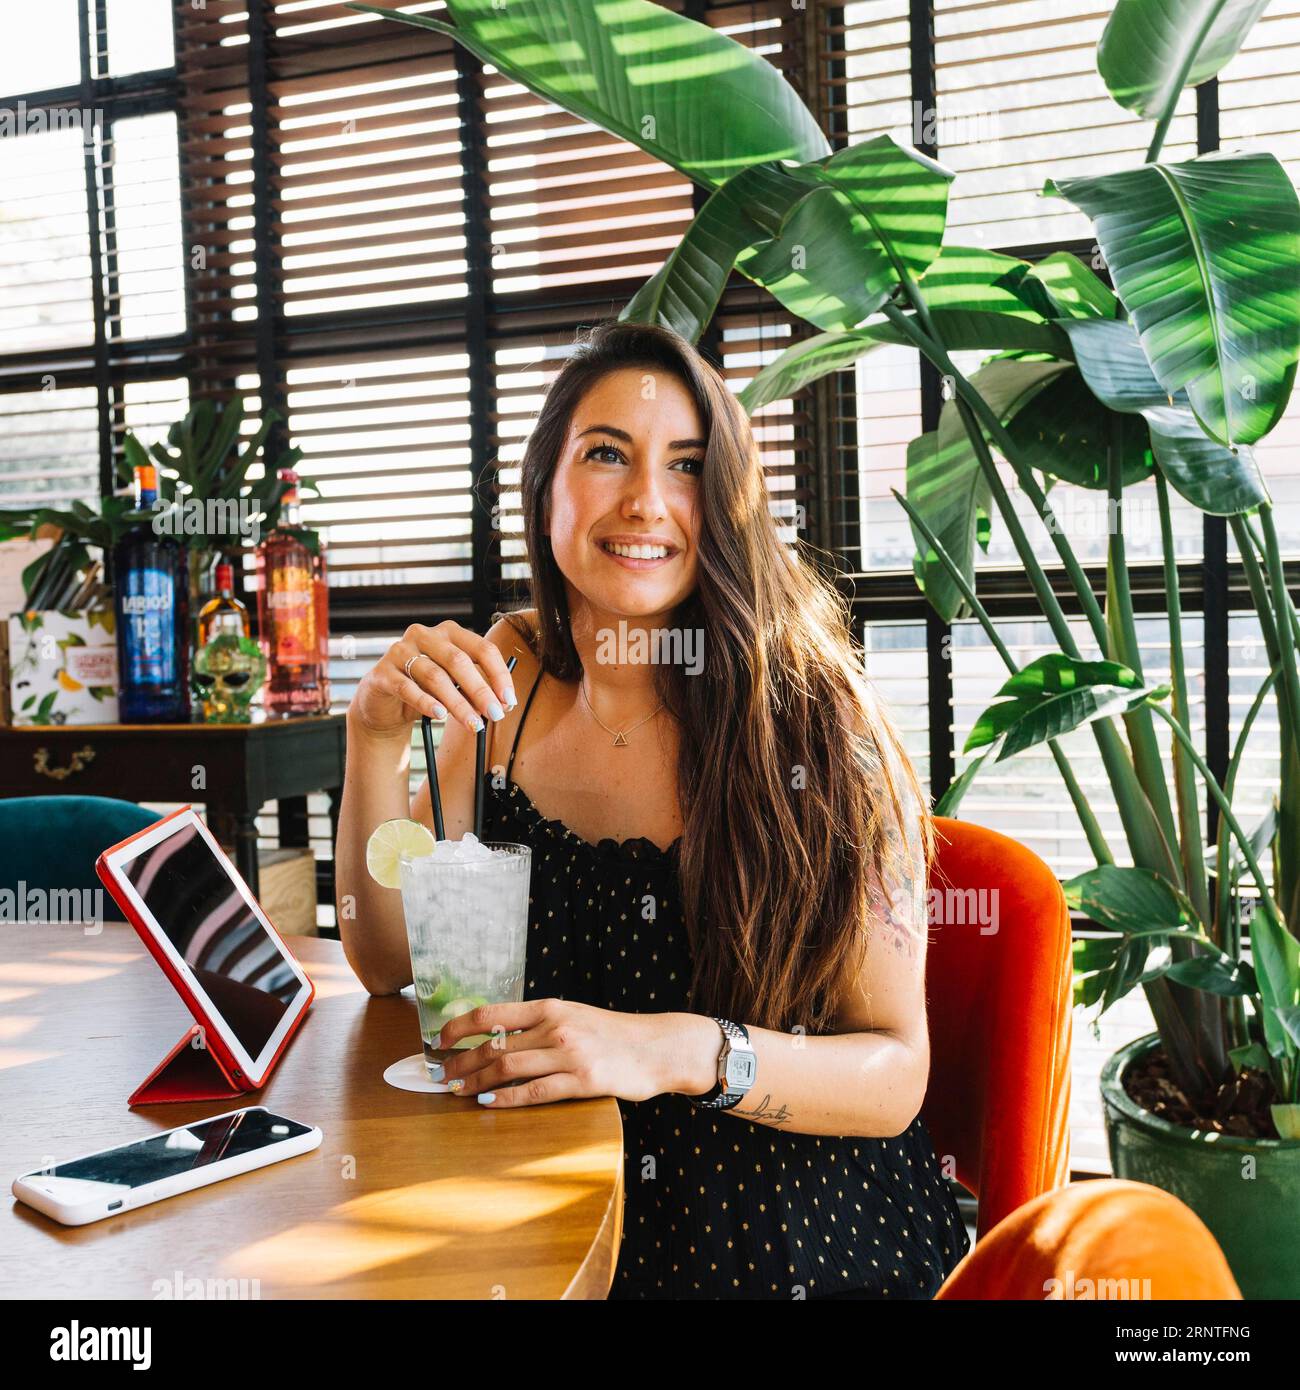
[[898, 881]]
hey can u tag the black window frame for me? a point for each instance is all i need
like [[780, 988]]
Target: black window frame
[[106, 363]]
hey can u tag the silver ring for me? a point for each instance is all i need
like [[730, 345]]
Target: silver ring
[[411, 662]]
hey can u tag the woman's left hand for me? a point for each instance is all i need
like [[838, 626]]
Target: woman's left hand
[[562, 1051]]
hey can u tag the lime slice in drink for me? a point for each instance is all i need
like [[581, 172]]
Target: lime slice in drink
[[456, 1007], [392, 840]]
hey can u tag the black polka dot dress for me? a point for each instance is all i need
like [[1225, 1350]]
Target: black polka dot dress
[[716, 1207]]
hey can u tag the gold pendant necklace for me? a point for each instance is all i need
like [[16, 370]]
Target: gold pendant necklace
[[620, 736]]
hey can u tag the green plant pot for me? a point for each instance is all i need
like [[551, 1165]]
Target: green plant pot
[[1247, 1191]]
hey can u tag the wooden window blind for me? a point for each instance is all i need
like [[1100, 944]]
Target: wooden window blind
[[216, 167]]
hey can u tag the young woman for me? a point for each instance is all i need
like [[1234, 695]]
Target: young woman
[[729, 851]]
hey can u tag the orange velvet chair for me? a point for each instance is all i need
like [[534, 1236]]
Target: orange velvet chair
[[999, 1097], [998, 985], [1101, 1239]]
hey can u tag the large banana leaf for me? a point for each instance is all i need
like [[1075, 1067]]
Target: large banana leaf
[[1215, 972], [970, 308], [1127, 899], [682, 91], [1060, 286], [1206, 257], [1059, 427], [947, 487], [746, 211], [805, 361], [968, 330], [812, 358], [1216, 479], [1151, 49], [1053, 696], [1025, 723], [863, 218], [1065, 432], [945, 483], [1093, 959], [973, 304], [971, 278], [845, 247], [960, 329]]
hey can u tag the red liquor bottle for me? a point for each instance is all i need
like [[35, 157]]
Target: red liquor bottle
[[286, 615], [321, 595]]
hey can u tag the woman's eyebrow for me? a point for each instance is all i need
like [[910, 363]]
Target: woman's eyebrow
[[627, 438]]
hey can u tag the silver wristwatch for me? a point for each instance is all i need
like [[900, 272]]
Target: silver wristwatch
[[737, 1068]]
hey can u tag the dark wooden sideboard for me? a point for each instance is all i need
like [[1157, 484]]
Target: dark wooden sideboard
[[232, 769]]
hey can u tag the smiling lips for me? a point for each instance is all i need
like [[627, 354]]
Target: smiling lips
[[637, 557]]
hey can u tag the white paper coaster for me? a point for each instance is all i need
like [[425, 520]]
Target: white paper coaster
[[411, 1074]]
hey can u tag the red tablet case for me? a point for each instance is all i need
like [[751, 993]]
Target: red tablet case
[[188, 1072], [200, 1066]]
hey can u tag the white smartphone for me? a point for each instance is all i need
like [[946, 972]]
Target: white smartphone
[[177, 1160]]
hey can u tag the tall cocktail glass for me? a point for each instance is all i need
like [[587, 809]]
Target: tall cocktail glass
[[466, 915]]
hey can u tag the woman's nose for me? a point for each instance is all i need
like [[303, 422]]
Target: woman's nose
[[643, 495]]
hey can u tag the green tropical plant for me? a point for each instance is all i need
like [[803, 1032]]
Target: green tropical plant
[[81, 530], [202, 460], [1173, 375]]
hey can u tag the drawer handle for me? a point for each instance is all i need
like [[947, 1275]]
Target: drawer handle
[[41, 761]]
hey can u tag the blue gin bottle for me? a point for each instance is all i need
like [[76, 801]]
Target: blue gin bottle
[[151, 599]]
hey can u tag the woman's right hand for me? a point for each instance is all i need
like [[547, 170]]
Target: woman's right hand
[[456, 673]]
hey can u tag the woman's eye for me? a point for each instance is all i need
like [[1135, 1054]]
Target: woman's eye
[[696, 465], [604, 449]]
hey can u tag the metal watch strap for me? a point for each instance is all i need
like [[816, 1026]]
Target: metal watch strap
[[719, 1098]]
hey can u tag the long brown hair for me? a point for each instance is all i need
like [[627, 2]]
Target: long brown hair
[[793, 784]]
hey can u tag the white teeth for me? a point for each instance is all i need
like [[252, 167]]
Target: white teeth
[[638, 552]]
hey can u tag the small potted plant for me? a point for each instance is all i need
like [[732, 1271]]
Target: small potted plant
[[205, 496]]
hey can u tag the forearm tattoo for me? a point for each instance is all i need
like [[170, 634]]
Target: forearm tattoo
[[776, 1118]]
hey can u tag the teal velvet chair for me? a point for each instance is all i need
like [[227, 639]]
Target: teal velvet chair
[[52, 842]]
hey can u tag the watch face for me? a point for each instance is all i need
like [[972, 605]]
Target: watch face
[[741, 1069]]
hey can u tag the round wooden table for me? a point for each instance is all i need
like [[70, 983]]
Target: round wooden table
[[409, 1195]]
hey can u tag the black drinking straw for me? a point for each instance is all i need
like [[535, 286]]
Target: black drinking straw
[[480, 755], [426, 727]]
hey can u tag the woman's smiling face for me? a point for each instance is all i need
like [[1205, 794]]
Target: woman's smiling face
[[629, 472]]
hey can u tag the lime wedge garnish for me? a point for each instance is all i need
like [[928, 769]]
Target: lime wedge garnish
[[392, 840]]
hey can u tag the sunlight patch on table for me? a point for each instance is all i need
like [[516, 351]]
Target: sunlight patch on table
[[99, 957], [592, 1163], [20, 1057], [324, 1252], [35, 972], [333, 988], [466, 1206]]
